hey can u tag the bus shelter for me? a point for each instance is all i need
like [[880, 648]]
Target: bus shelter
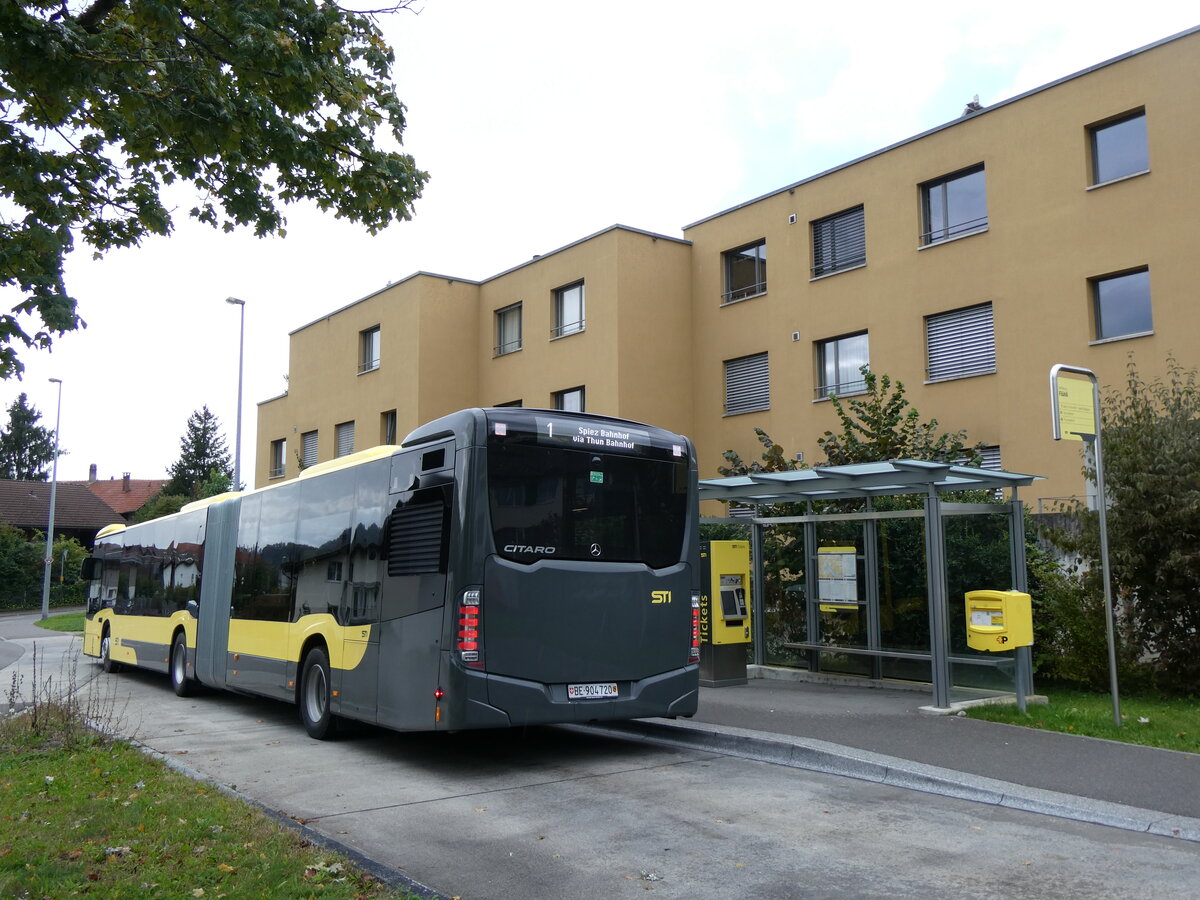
[[862, 569]]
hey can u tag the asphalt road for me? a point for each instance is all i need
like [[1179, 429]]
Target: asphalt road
[[556, 812]]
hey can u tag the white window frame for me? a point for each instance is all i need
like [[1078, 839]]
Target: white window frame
[[856, 385], [368, 350], [569, 315], [506, 342], [948, 227], [565, 398], [747, 384], [1096, 134], [278, 459], [757, 285], [1097, 287], [387, 427], [960, 343]]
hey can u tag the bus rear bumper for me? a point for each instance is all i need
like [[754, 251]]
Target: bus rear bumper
[[670, 694]]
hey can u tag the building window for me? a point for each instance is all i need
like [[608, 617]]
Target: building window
[[368, 342], [954, 206], [747, 384], [508, 329], [343, 439], [1121, 305], [333, 571], [839, 242], [308, 449], [990, 459], [570, 400], [278, 459], [1119, 148], [961, 343], [568, 310], [387, 427], [839, 365], [745, 272]]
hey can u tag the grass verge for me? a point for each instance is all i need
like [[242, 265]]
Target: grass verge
[[1172, 723], [95, 817], [72, 621], [83, 814]]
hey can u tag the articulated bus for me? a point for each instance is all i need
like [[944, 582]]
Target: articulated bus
[[501, 567]]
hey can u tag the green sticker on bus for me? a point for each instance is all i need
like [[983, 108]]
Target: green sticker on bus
[[597, 478]]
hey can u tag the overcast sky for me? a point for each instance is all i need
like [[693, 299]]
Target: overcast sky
[[540, 122]]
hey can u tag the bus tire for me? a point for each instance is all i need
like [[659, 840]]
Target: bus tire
[[315, 690], [106, 660], [183, 685]]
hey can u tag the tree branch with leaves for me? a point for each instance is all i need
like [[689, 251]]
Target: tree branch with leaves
[[255, 105]]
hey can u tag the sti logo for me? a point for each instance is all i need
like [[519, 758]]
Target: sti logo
[[660, 597]]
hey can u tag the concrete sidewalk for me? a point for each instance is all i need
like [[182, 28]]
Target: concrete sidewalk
[[883, 735]]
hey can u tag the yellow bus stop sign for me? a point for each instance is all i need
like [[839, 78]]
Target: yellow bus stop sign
[[1076, 409]]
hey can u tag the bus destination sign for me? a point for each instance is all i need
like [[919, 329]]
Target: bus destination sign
[[586, 435]]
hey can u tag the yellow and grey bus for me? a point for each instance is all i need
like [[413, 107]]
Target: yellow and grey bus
[[500, 567]]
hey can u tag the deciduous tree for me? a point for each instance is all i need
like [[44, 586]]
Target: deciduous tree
[[105, 105], [1151, 434]]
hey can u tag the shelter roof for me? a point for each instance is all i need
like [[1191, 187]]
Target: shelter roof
[[876, 479]]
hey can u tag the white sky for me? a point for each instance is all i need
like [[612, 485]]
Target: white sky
[[542, 121]]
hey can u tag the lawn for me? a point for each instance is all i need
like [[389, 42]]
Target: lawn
[[1169, 722], [84, 815], [72, 621]]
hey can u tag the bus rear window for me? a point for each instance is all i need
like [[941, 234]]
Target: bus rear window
[[556, 503]]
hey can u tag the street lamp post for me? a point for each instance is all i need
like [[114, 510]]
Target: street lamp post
[[53, 493], [237, 451]]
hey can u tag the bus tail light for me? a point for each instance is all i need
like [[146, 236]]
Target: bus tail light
[[694, 652], [468, 641]]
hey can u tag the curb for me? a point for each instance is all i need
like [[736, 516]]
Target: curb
[[835, 759]]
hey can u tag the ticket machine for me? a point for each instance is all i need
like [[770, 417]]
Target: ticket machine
[[725, 611]]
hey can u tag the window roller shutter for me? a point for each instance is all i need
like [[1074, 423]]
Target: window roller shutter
[[747, 384], [961, 343]]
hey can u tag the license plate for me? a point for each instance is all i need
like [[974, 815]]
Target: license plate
[[591, 691]]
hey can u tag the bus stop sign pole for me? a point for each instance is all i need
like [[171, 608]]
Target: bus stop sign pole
[[1076, 417]]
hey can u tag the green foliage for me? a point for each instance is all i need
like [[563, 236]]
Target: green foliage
[[1146, 719], [203, 468], [880, 425], [255, 105], [161, 504], [26, 448], [1151, 434], [22, 569]]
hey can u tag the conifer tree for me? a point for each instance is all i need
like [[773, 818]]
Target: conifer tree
[[26, 448], [203, 462]]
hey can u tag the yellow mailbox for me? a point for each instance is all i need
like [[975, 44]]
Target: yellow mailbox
[[998, 620]]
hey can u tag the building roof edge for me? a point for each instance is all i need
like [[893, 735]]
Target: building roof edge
[[945, 125]]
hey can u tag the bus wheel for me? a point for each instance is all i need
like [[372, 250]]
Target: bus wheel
[[106, 660], [315, 683], [179, 677]]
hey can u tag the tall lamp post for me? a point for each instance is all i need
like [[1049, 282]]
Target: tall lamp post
[[53, 493], [237, 451]]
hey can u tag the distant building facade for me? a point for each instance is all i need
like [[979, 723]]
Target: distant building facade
[[1056, 227]]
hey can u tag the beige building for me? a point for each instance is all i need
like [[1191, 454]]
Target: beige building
[[1056, 227]]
